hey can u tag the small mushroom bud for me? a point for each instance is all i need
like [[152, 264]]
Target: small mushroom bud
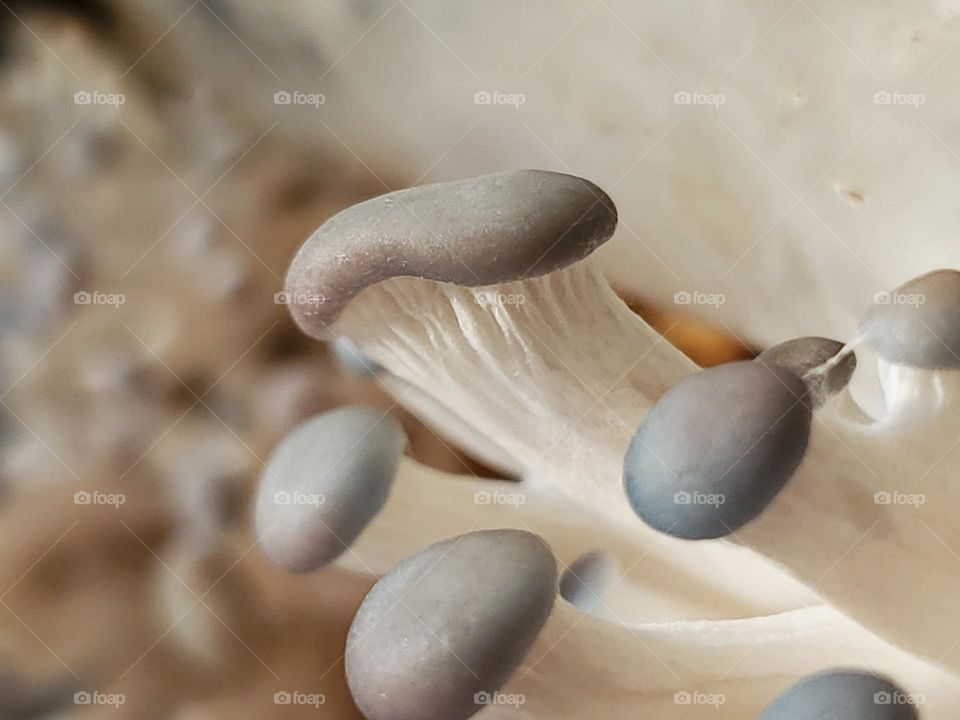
[[324, 483], [916, 324], [842, 695], [816, 361], [450, 625], [585, 582], [480, 231], [716, 448]]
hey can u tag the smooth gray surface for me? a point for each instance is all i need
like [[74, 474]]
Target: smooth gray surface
[[324, 483], [733, 434], [480, 231], [842, 695], [924, 334], [803, 355], [452, 621], [585, 582]]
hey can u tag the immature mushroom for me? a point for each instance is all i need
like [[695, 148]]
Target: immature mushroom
[[324, 483], [842, 695], [882, 494], [716, 449], [817, 361], [588, 578], [448, 627], [432, 633]]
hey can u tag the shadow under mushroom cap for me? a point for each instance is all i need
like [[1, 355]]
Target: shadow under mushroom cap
[[480, 231]]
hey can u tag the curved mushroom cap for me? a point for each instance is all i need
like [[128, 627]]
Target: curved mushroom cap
[[918, 324], [449, 625], [324, 483], [353, 360], [842, 695], [586, 580], [484, 230], [804, 356], [716, 448]]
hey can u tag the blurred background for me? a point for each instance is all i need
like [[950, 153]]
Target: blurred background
[[160, 162]]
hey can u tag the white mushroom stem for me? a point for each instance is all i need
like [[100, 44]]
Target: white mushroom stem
[[555, 372], [426, 506], [716, 669], [884, 545]]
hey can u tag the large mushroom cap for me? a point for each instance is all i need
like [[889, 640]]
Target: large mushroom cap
[[480, 231], [716, 449], [447, 627]]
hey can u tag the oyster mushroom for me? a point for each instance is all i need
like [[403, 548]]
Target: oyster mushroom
[[459, 288], [471, 622], [883, 543], [845, 695]]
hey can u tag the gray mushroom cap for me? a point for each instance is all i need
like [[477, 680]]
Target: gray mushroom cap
[[480, 231], [586, 580], [448, 626], [324, 483], [716, 449], [842, 695], [804, 356], [918, 324]]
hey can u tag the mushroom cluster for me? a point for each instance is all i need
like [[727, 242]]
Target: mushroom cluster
[[767, 538]]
